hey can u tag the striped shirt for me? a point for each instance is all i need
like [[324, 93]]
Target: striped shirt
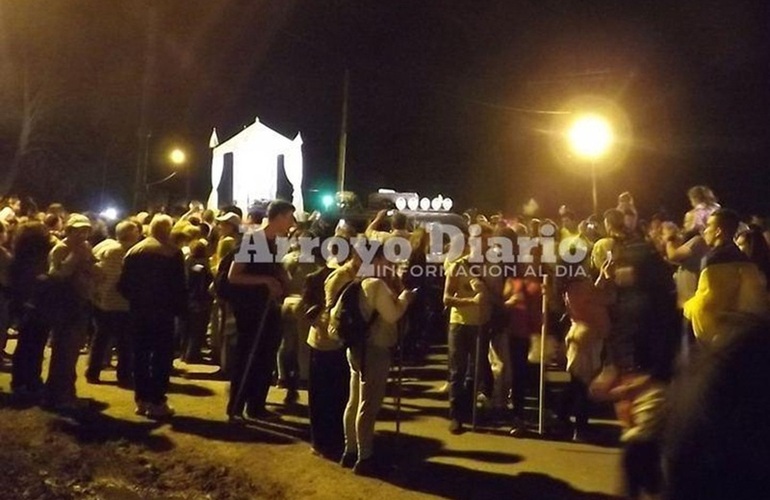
[[109, 256]]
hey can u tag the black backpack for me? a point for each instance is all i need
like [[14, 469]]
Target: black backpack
[[314, 295], [346, 321], [198, 281]]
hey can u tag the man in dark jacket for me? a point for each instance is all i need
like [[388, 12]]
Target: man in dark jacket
[[153, 282], [259, 284], [643, 313]]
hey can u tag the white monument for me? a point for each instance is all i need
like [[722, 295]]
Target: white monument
[[255, 158]]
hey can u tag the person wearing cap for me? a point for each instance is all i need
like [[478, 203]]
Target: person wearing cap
[[71, 268], [228, 232], [229, 226]]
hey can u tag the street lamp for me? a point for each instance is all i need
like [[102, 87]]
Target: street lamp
[[591, 137], [177, 157]]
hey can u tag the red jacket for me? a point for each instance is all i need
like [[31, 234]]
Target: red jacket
[[526, 315]]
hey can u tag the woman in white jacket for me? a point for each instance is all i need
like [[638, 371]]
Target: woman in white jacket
[[367, 392]]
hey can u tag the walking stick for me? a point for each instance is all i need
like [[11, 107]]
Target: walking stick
[[543, 332], [684, 343], [476, 371], [399, 371], [222, 337], [239, 396]]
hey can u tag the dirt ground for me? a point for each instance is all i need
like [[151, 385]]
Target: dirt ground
[[110, 453], [46, 456], [99, 454]]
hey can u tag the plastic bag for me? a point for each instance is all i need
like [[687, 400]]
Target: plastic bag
[[550, 349]]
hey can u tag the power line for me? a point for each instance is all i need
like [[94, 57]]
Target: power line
[[316, 46]]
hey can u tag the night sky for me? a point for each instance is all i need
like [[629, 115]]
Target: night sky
[[449, 97]]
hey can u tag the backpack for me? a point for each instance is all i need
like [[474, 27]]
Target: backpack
[[346, 321], [314, 295], [198, 280]]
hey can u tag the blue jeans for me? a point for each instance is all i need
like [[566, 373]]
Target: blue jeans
[[462, 361], [368, 384]]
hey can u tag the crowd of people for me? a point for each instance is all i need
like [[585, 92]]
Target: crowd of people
[[650, 301]]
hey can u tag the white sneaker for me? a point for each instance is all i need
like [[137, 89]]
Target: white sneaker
[[484, 401], [141, 408], [159, 411]]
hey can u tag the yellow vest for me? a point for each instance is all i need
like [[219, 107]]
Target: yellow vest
[[475, 314]]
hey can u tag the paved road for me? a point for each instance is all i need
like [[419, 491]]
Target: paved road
[[558, 466], [484, 464]]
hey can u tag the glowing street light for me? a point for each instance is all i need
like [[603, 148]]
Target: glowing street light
[[177, 156], [591, 137]]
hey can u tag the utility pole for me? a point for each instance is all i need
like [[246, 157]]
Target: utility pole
[[343, 135], [144, 132]]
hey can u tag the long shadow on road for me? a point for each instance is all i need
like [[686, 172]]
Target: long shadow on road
[[224, 431], [411, 470], [92, 426], [190, 390], [98, 428]]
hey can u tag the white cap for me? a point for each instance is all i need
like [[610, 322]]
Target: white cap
[[230, 218]]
